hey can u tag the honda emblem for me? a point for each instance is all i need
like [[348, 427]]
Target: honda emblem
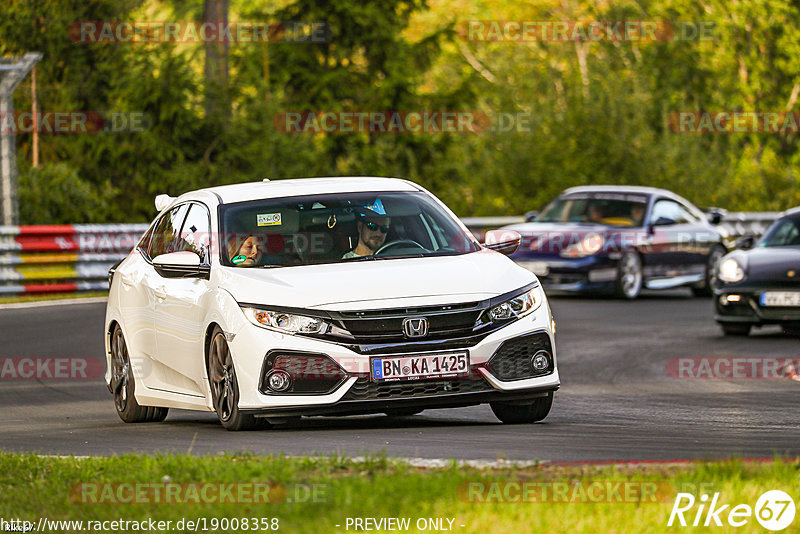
[[415, 327]]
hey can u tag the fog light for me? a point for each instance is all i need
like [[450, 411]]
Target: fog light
[[540, 361], [278, 380], [734, 298]]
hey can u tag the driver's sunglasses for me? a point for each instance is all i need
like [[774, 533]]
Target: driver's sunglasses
[[373, 226]]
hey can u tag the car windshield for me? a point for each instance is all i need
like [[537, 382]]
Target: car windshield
[[342, 227], [783, 233], [612, 209]]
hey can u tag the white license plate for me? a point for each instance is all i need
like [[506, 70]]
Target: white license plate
[[419, 366], [781, 298], [539, 268]]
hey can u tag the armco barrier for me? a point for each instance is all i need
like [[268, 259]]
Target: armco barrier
[[62, 258], [736, 224], [76, 257]]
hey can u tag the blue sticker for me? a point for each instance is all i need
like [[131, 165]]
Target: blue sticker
[[377, 368], [377, 207]]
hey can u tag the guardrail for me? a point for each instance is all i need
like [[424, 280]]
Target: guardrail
[[76, 257], [62, 258], [737, 224]]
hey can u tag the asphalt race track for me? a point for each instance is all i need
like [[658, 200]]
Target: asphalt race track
[[617, 400]]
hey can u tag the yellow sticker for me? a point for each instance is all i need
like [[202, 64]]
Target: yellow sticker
[[268, 219]]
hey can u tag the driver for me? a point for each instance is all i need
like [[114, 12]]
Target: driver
[[372, 232], [245, 250]]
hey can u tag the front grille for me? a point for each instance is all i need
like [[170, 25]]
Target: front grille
[[366, 389], [780, 313], [741, 309], [512, 361], [559, 278], [386, 326]]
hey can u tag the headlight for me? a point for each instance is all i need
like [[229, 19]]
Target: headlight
[[590, 244], [517, 307], [285, 322], [730, 271]]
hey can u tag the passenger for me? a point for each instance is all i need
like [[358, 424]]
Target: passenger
[[595, 213], [372, 232], [245, 251], [637, 213]]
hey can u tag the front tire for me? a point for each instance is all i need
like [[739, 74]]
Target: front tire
[[629, 276], [735, 329], [710, 280], [225, 387], [523, 413], [123, 385]]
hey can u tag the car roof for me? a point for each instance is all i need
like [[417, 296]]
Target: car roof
[[641, 189], [636, 189], [790, 212], [307, 186]]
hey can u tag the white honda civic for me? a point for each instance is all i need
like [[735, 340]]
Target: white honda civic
[[273, 300]]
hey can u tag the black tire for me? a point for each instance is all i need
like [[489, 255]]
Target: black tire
[[225, 387], [403, 412], [123, 385], [523, 413], [735, 329], [629, 280], [706, 289]]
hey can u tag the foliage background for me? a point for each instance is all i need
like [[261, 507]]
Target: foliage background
[[598, 110]]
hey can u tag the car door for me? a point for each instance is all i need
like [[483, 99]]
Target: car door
[[670, 242], [137, 304], [698, 239], [155, 374], [179, 310]]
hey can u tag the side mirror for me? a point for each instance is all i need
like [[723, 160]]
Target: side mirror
[[715, 217], [531, 216], [183, 264], [663, 221], [746, 242], [503, 241]]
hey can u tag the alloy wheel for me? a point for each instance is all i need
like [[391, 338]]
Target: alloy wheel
[[222, 377], [120, 372]]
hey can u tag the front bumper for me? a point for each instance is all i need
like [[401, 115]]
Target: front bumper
[[748, 309], [590, 274], [250, 346]]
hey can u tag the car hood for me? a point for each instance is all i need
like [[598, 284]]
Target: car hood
[[769, 262], [390, 283]]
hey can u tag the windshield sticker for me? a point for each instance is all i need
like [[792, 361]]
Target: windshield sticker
[[238, 259], [377, 207], [268, 219]]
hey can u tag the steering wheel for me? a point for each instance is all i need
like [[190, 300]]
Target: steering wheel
[[397, 243]]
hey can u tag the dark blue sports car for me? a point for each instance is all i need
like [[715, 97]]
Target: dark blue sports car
[[759, 284], [620, 239]]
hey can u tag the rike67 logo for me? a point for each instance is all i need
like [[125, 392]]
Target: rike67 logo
[[774, 510]]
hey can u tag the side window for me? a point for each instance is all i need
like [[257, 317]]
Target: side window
[[167, 231], [688, 216], [196, 233], [668, 209], [144, 242]]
